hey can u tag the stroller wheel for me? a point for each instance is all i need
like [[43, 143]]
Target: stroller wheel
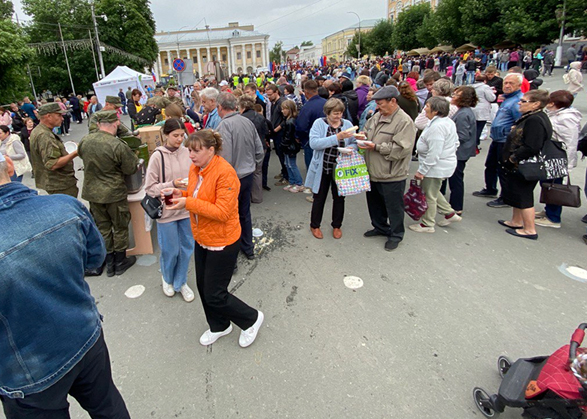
[[483, 403], [503, 365]]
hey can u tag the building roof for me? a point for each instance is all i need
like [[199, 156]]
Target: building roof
[[202, 35], [293, 51], [365, 24]]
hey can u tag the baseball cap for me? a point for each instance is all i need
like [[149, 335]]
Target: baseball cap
[[223, 83], [114, 100]]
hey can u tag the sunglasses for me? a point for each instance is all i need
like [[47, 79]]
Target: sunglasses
[[526, 101]]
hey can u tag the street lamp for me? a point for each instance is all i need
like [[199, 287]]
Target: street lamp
[[358, 46], [559, 48]]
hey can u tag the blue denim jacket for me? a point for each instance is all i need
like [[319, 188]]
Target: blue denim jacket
[[48, 318], [213, 119], [508, 113]]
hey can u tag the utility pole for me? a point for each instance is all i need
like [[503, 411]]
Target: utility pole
[[66, 60], [559, 49], [94, 55], [103, 73], [359, 45], [32, 84]]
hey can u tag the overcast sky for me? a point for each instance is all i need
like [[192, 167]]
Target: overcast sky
[[306, 20]]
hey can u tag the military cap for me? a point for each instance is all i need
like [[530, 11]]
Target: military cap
[[106, 116], [387, 92], [114, 100], [50, 108]]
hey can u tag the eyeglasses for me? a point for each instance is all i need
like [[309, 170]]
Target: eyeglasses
[[526, 101]]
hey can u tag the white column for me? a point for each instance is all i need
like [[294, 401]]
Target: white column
[[207, 55], [229, 58], [169, 62], [159, 65], [266, 52], [254, 54], [199, 61]]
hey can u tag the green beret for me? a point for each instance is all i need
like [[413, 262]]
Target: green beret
[[106, 116], [114, 100], [50, 108]]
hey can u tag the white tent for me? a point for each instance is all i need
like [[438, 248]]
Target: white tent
[[122, 77]]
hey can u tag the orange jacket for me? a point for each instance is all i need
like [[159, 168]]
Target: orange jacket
[[214, 213]]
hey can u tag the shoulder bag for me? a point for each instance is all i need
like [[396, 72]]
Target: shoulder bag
[[562, 195], [154, 206], [550, 163]]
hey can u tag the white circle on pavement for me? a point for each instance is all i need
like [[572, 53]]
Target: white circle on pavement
[[135, 291], [578, 272], [353, 282], [257, 232]]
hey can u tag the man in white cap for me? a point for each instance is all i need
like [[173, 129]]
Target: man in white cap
[[224, 87]]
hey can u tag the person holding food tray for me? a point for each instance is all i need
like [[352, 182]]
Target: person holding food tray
[[328, 137], [169, 167]]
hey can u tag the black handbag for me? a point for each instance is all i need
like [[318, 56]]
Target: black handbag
[[562, 195], [154, 206], [550, 163]]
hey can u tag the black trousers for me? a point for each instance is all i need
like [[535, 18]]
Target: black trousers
[[265, 167], [327, 182], [277, 142], [493, 170], [457, 186], [89, 382], [480, 126], [385, 202], [213, 274], [244, 214]]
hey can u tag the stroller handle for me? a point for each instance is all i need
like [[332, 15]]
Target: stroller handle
[[576, 341]]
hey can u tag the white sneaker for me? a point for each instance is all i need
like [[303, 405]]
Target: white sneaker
[[288, 187], [545, 222], [208, 338], [187, 293], [167, 288], [308, 191], [446, 221], [419, 228], [541, 214], [248, 336]]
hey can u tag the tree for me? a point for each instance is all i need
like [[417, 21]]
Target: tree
[[307, 44], [530, 22], [425, 32], [378, 40], [351, 50], [277, 54], [445, 23], [404, 33], [481, 22], [576, 16], [129, 26], [6, 9], [14, 55]]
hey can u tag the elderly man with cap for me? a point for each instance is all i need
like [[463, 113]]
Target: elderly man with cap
[[112, 104], [52, 164], [107, 160], [392, 134]]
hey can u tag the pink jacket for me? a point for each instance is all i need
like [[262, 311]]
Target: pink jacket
[[412, 83], [177, 166]]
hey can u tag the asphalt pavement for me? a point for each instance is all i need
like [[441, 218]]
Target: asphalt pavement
[[426, 327]]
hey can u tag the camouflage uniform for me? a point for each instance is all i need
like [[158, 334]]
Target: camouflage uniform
[[106, 160], [46, 149], [123, 131]]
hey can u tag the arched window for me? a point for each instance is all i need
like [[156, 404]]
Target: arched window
[[398, 7]]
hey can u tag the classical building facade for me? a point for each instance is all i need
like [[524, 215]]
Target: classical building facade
[[394, 7], [334, 46], [311, 54], [236, 48]]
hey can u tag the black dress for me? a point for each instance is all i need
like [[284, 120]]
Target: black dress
[[525, 140]]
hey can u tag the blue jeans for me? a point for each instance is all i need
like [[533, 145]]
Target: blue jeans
[[308, 153], [177, 246], [503, 66], [553, 212], [295, 178], [470, 77]]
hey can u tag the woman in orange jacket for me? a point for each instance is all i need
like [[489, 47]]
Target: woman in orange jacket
[[212, 201]]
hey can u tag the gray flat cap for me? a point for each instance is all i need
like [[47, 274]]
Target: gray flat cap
[[386, 92]]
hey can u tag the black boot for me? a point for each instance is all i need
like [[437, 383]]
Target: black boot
[[110, 265], [94, 272], [122, 263]]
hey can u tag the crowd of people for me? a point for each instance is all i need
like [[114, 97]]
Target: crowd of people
[[214, 163]]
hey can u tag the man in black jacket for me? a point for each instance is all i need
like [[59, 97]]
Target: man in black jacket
[[277, 119], [494, 81]]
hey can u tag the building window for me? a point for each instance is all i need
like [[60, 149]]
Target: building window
[[224, 57], [258, 54], [214, 57], [195, 59], [166, 61], [204, 59], [248, 55], [239, 56]]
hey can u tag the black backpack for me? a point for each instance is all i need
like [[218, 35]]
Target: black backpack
[[147, 115]]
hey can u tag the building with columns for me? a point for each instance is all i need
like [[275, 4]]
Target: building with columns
[[237, 48], [394, 7], [334, 46]]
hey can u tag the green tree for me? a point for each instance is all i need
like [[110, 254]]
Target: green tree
[[404, 35], [481, 22], [446, 24], [378, 40], [307, 44], [530, 22], [576, 16], [14, 55], [6, 9], [277, 54], [351, 50], [425, 32]]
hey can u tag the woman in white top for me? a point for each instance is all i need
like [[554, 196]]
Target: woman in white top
[[11, 146], [173, 228], [486, 96], [575, 78], [437, 157]]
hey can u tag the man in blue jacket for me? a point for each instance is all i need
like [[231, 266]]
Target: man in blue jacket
[[508, 114], [312, 110], [51, 337]]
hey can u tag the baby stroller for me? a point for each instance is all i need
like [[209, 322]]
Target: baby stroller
[[544, 387]]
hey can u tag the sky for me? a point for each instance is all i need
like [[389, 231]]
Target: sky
[[282, 20]]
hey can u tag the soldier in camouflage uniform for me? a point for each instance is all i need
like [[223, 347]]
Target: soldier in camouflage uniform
[[112, 104], [52, 165], [173, 97], [106, 160]]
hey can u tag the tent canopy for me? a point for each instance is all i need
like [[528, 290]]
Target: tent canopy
[[419, 51], [122, 77], [442, 48], [466, 47], [505, 44]]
